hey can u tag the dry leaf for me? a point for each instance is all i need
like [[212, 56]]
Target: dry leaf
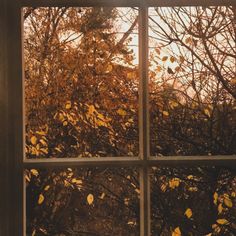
[[90, 199], [188, 213], [41, 199], [33, 140]]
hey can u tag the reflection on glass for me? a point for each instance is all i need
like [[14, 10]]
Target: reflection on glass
[[81, 82], [82, 202], [192, 80], [193, 201]]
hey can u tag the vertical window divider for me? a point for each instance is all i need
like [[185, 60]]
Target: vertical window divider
[[144, 122]]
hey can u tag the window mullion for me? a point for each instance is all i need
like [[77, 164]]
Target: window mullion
[[144, 134], [85, 162]]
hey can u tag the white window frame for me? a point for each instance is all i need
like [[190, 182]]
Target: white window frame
[[13, 163]]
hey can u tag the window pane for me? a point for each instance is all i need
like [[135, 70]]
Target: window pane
[[192, 80], [90, 201], [81, 82], [193, 201]]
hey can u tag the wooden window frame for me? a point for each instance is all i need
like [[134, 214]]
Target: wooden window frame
[[13, 163]]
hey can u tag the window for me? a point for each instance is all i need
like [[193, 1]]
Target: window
[[121, 120]]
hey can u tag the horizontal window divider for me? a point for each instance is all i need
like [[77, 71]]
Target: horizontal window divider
[[182, 3], [80, 3], [219, 160], [83, 162], [133, 161]]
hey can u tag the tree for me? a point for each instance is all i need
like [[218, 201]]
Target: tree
[[81, 99], [81, 70], [192, 77]]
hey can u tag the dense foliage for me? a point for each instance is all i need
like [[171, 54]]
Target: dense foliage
[[81, 100]]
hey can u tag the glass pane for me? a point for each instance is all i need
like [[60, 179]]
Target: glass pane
[[82, 202], [193, 201], [192, 80], [81, 82]]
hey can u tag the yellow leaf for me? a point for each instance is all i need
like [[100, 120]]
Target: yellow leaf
[[46, 188], [163, 187], [37, 146], [131, 75], [65, 123], [207, 112], [102, 196], [77, 181], [214, 226], [58, 149], [233, 194], [90, 199], [100, 116], [228, 202], [188, 213], [44, 150], [126, 201], [33, 140], [41, 199], [34, 172], [164, 58], [43, 142], [68, 105], [130, 120], [173, 183], [131, 223], [176, 232], [165, 113], [215, 197], [66, 183], [137, 191], [121, 112], [40, 133], [220, 208], [34, 151], [34, 233], [91, 109], [101, 123], [173, 104], [193, 189], [172, 59], [222, 221], [61, 117], [190, 177]]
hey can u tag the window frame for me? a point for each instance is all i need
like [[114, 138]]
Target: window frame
[[13, 163]]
